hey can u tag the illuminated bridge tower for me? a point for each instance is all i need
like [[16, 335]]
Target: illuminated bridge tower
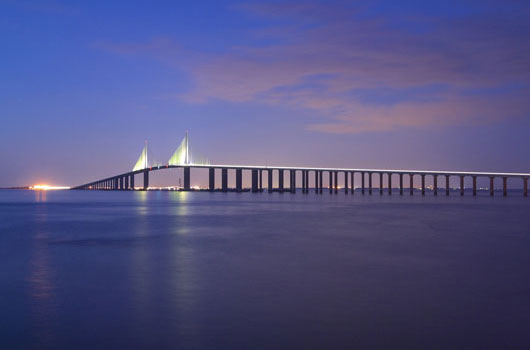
[[183, 157]]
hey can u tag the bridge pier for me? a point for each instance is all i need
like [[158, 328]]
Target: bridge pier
[[239, 180], [211, 179], [132, 181], [362, 183], [400, 184], [461, 185], [280, 180], [491, 185], [146, 179], [504, 186], [303, 181], [320, 181], [423, 184], [224, 179], [446, 185], [352, 182], [370, 183], [254, 180], [269, 184], [292, 181], [316, 181], [474, 186], [411, 188], [126, 178], [330, 185], [380, 183], [187, 178], [346, 186], [435, 186], [389, 183], [336, 182]]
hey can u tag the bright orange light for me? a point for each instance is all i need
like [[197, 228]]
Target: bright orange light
[[48, 187]]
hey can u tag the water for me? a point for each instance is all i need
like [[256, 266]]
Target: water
[[160, 270]]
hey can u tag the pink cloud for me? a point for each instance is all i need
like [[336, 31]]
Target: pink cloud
[[346, 53]]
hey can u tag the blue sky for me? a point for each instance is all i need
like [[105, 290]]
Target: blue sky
[[414, 84]]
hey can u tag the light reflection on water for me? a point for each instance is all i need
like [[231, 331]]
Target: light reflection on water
[[234, 271]]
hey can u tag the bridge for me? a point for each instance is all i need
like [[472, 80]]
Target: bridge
[[183, 158]]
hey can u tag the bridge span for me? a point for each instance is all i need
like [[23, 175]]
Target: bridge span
[[126, 181], [182, 158]]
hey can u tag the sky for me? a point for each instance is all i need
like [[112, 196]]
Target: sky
[[432, 85]]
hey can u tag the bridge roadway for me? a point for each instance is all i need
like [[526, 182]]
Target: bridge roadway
[[125, 181]]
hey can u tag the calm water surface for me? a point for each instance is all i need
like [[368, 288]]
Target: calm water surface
[[160, 270]]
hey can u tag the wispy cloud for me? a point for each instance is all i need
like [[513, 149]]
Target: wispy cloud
[[363, 73]]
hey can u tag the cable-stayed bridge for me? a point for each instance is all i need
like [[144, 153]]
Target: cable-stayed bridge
[[184, 158]]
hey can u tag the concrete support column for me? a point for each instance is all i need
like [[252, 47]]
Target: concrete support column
[[316, 181], [389, 183], [362, 183], [504, 186], [261, 180], [411, 185], [525, 186], [491, 185], [307, 181], [380, 183], [146, 179], [346, 186], [446, 185], [336, 182], [224, 180], [280, 180], [126, 178], [255, 180], [120, 183], [435, 186], [211, 179], [474, 185], [320, 181], [352, 182], [239, 180], [292, 182], [369, 183], [423, 184], [303, 181], [187, 178], [330, 182], [400, 184], [132, 181], [461, 185], [270, 187]]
